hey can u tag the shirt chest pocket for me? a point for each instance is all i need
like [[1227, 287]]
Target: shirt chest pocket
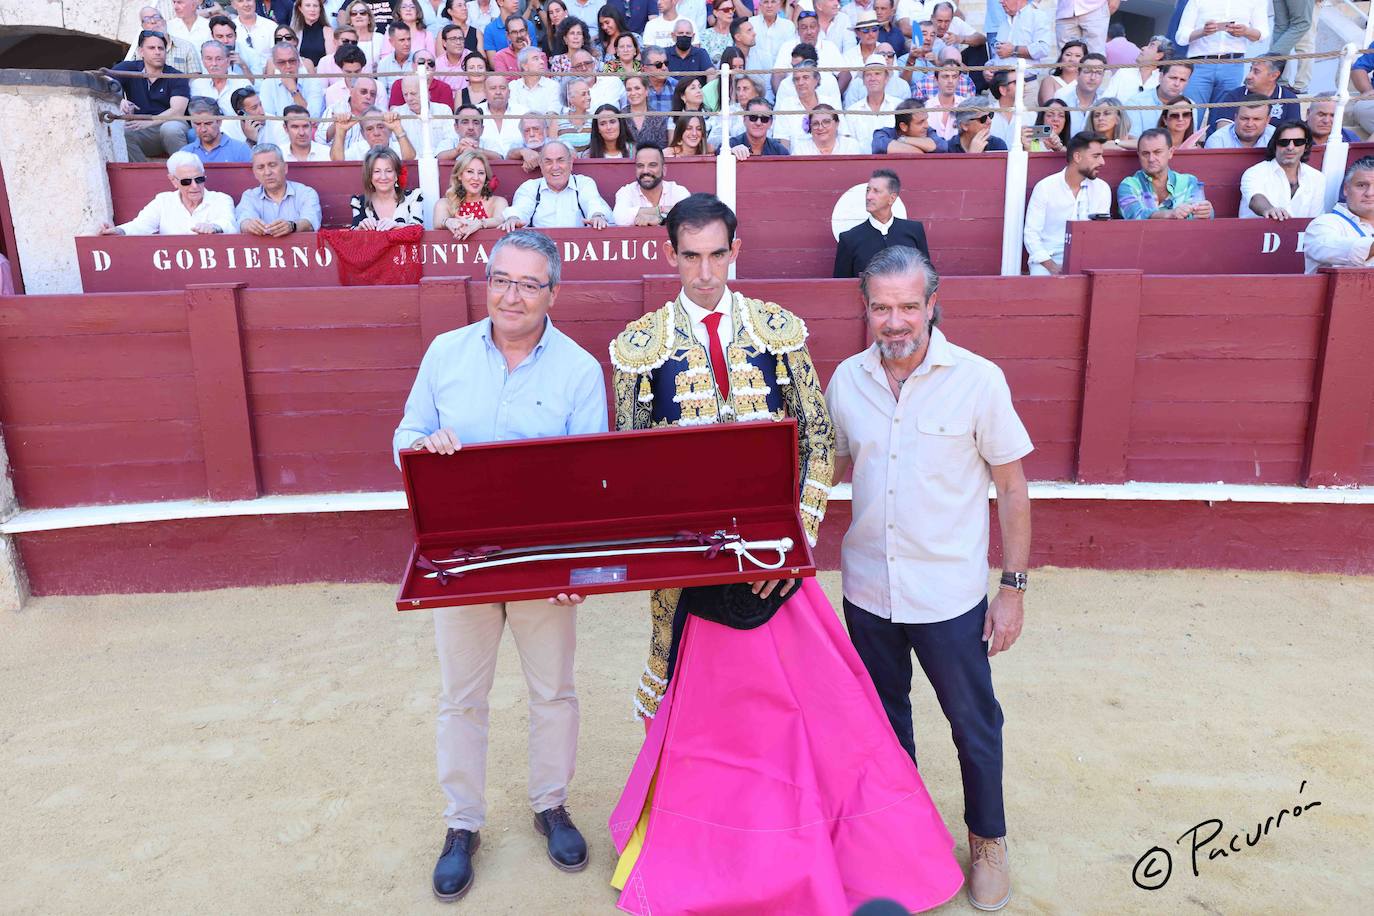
[[546, 414], [943, 445]]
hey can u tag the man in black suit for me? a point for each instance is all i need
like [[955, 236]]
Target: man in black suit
[[881, 230]]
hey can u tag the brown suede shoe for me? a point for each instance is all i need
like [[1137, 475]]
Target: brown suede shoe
[[989, 880]]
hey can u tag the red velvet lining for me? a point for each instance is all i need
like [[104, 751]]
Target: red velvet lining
[[614, 485]]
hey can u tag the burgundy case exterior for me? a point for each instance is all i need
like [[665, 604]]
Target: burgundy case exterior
[[603, 486]]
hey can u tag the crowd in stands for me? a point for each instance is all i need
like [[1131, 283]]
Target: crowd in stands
[[549, 82]]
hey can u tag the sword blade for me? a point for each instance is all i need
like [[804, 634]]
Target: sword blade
[[742, 550], [552, 548]]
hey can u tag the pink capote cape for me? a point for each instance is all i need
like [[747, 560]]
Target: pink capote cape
[[781, 788]]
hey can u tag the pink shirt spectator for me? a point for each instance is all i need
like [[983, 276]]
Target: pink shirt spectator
[[1122, 51]]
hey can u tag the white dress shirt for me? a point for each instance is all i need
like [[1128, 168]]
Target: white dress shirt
[[539, 206], [197, 35], [860, 122], [259, 37], [1268, 178], [165, 214], [480, 19], [608, 90], [1339, 239], [441, 135], [1032, 29], [1126, 83], [318, 153], [206, 87], [630, 199], [725, 331], [917, 548], [586, 12], [542, 98], [1253, 13], [1052, 205], [771, 39], [357, 150], [504, 137], [844, 146]]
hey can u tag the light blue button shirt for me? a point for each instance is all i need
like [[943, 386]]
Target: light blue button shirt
[[464, 385]]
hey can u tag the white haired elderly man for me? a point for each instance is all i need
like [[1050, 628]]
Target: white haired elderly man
[[187, 209], [558, 199]]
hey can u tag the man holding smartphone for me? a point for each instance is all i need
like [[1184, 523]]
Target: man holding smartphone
[[1218, 33]]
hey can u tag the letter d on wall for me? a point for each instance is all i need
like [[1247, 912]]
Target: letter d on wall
[[1271, 243], [101, 260]]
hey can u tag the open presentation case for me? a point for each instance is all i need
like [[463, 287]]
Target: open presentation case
[[738, 478]]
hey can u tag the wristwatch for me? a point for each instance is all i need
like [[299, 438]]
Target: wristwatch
[[1014, 580]]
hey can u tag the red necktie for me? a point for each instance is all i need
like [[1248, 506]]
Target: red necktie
[[718, 367]]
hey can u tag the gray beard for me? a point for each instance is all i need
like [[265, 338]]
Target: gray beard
[[898, 350]]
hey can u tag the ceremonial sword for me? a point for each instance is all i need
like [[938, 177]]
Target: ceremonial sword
[[741, 548], [493, 552]]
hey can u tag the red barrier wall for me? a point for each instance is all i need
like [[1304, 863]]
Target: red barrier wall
[[113, 264], [230, 392], [785, 204], [1219, 246]]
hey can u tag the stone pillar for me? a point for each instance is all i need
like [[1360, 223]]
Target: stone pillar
[[14, 586], [54, 148]]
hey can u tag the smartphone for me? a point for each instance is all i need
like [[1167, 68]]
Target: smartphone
[[1041, 132], [1100, 216]]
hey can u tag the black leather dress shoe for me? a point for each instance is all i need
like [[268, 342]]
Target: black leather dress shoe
[[567, 849], [453, 872]]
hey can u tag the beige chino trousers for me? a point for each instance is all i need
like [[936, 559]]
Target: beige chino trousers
[[467, 640]]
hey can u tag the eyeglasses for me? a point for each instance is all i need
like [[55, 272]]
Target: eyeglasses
[[868, 29], [288, 36], [527, 289], [890, 55], [759, 119], [348, 41], [420, 61], [187, 182], [656, 64], [981, 118], [1291, 141], [1179, 115]]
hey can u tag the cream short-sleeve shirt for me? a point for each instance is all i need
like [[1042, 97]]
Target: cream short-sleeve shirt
[[917, 547]]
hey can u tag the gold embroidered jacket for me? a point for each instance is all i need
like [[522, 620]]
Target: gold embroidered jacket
[[663, 377]]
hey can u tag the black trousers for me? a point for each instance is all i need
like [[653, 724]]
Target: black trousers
[[955, 661]]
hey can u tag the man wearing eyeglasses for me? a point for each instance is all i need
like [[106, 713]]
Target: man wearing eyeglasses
[[517, 34], [497, 35], [512, 375], [187, 209], [559, 199]]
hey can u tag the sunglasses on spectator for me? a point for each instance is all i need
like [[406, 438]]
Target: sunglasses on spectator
[[285, 36], [424, 61], [981, 118], [656, 63], [348, 41], [1179, 115], [866, 29], [187, 182], [759, 119], [1291, 141]]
